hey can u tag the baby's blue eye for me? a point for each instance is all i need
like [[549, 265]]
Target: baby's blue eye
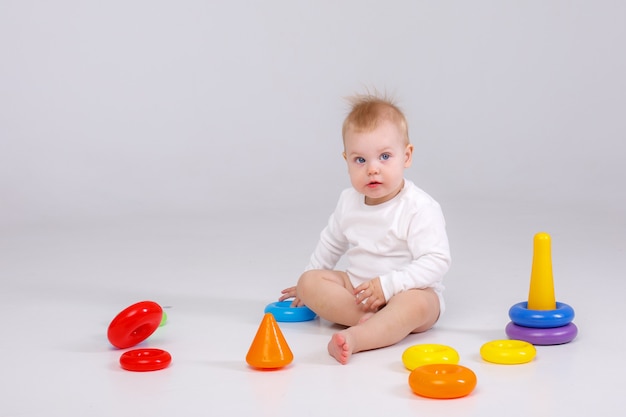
[[385, 156], [359, 160]]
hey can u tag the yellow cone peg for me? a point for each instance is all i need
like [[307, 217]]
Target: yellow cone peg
[[541, 320], [541, 293]]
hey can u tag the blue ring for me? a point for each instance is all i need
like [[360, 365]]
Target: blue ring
[[536, 336], [521, 315], [282, 311]]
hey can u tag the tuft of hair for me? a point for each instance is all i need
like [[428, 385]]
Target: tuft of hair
[[369, 109]]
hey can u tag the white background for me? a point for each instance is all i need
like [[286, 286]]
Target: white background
[[115, 108], [189, 152]]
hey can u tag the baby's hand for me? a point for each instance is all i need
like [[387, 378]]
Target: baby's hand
[[291, 293], [370, 295]]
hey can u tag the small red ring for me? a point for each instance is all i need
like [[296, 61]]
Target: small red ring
[[142, 360], [134, 324]]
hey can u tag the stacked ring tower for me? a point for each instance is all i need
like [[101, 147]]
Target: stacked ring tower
[[542, 320]]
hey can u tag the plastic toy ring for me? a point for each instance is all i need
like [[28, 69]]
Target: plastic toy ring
[[442, 381], [508, 352], [134, 324], [282, 311], [542, 336], [425, 354], [142, 360], [522, 316]]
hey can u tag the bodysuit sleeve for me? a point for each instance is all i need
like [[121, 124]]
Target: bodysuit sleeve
[[428, 244], [331, 245]]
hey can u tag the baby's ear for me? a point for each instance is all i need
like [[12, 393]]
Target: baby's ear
[[408, 154], [344, 155]]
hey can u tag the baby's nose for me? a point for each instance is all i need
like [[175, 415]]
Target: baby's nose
[[373, 168]]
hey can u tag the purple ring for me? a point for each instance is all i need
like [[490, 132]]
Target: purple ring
[[542, 336]]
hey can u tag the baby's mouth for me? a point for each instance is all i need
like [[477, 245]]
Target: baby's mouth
[[373, 184]]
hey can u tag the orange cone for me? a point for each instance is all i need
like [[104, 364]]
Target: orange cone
[[269, 349]]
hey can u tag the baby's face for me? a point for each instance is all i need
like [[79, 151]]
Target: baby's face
[[376, 161]]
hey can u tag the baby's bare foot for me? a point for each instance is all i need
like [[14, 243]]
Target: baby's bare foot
[[339, 347]]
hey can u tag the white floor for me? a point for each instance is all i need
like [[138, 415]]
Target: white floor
[[61, 285]]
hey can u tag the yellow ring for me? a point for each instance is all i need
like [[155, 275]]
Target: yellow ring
[[425, 354], [508, 352]]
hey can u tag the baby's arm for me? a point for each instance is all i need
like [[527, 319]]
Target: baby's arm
[[330, 247], [428, 243]]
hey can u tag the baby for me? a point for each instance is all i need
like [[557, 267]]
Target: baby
[[392, 233]]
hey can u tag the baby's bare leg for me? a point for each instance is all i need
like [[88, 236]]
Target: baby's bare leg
[[408, 312], [330, 295]]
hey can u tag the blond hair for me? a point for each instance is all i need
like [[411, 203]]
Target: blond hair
[[368, 110]]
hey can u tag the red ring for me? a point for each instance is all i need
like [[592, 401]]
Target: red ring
[[134, 324], [142, 360]]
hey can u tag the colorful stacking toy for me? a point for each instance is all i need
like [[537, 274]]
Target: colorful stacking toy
[[508, 352], [269, 349], [435, 372], [283, 311], [442, 381], [428, 353], [542, 320], [132, 326]]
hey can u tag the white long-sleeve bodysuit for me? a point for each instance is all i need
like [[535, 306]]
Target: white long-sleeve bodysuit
[[403, 241]]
